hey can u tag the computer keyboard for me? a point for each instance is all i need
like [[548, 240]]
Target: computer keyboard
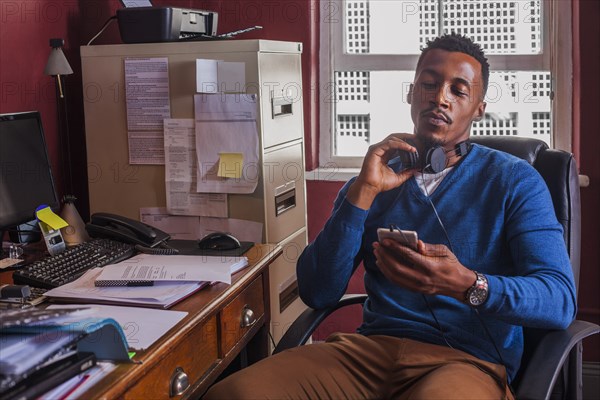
[[69, 265]]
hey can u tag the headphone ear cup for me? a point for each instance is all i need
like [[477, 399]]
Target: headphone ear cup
[[436, 159]]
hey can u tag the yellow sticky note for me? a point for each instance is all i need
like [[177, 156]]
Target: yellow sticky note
[[49, 218], [230, 165]]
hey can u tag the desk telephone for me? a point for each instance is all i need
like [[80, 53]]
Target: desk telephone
[[111, 226]]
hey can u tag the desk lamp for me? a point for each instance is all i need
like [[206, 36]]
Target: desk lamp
[[57, 64]]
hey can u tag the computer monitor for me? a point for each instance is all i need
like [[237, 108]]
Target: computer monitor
[[25, 174]]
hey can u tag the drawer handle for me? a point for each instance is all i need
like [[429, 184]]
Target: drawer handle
[[248, 317], [179, 382]]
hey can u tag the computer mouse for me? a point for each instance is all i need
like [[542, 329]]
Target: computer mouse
[[219, 241]]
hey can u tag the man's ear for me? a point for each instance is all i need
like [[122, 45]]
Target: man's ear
[[480, 111], [410, 93]]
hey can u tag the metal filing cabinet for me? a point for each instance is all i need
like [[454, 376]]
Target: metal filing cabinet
[[273, 72]]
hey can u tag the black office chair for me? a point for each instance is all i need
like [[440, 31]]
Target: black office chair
[[551, 367]]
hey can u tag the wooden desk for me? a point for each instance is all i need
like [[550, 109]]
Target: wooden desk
[[206, 341]]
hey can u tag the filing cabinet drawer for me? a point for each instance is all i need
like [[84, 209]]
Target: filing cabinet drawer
[[281, 98], [283, 173], [286, 304], [238, 317], [194, 354]]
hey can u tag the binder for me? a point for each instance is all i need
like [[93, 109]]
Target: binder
[[50, 376]]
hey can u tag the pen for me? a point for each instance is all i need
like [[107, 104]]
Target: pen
[[115, 283], [140, 283]]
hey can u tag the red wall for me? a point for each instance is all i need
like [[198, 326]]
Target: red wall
[[27, 25], [586, 91]]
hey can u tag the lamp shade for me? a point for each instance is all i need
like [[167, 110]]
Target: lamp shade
[[57, 63]]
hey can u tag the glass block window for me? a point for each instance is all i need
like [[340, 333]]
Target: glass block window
[[496, 125], [357, 26], [372, 46], [428, 24], [501, 27], [389, 26], [353, 134], [540, 84], [354, 126], [541, 123], [352, 85]]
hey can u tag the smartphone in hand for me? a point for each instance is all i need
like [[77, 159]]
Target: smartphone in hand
[[405, 238]]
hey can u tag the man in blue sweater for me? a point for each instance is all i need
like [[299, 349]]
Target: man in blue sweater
[[443, 320]]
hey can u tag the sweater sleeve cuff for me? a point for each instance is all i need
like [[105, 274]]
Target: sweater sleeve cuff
[[495, 296]]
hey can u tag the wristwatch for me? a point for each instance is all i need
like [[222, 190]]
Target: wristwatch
[[478, 293]]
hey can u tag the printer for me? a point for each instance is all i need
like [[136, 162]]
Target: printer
[[165, 24]]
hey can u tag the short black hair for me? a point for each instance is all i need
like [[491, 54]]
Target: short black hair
[[458, 43]]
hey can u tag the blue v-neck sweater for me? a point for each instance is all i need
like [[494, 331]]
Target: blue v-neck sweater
[[500, 220]]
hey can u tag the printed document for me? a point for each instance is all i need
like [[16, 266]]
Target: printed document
[[226, 123], [148, 267], [180, 173], [161, 295], [148, 104]]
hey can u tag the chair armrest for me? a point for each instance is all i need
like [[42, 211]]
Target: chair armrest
[[304, 326], [543, 369]]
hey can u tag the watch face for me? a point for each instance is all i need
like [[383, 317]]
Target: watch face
[[477, 296]]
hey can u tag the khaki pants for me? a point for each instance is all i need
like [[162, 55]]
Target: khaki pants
[[353, 366]]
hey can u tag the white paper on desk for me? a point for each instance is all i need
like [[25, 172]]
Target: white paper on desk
[[226, 123], [180, 173], [161, 295], [146, 147], [178, 226], [141, 328], [147, 93], [149, 267]]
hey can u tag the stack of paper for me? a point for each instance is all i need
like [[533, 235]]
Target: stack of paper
[[161, 295], [154, 269]]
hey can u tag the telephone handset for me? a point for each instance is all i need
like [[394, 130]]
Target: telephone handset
[[124, 229]]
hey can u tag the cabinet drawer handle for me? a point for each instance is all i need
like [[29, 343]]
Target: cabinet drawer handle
[[248, 317], [179, 382]]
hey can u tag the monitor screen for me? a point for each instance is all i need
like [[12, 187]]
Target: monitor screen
[[25, 174]]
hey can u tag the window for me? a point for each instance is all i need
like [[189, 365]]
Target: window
[[369, 49]]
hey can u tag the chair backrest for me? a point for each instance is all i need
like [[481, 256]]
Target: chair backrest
[[559, 170]]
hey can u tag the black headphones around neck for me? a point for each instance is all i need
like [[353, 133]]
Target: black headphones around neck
[[435, 161]]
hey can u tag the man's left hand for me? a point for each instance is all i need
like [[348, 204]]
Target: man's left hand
[[432, 269]]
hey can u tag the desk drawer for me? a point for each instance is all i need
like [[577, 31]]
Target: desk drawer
[[237, 316], [195, 354]]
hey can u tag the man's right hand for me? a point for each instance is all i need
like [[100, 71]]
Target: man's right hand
[[375, 175]]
